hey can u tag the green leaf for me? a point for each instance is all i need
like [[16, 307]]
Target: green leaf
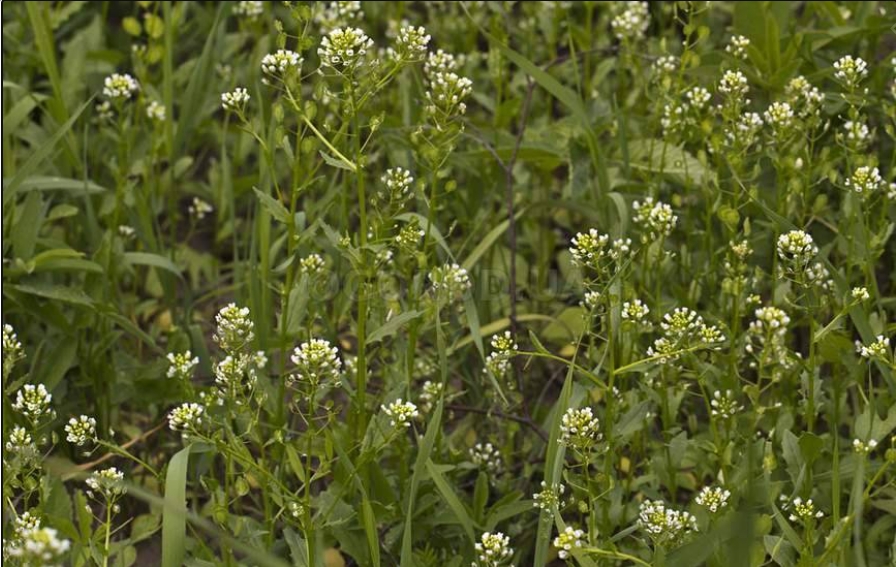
[[338, 163], [42, 153], [52, 183], [444, 488], [272, 206], [174, 514], [392, 326], [489, 240], [152, 260], [423, 453], [56, 293], [24, 233]]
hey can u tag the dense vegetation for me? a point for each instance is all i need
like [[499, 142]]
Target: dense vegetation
[[449, 283]]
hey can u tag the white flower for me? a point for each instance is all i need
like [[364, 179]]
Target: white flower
[[860, 294], [770, 320], [156, 111], [429, 395], [235, 100], [698, 97], [850, 71], [446, 94], [856, 131], [344, 49], [779, 116], [186, 417], [665, 524], [724, 405], [738, 46], [549, 497], [37, 546], [632, 23], [665, 64], [80, 430], [126, 232], [118, 86], [568, 540], [199, 209], [865, 180], [879, 349], [579, 429], [439, 62], [13, 351], [796, 247], [316, 362], [181, 365], [338, 14], [713, 499], [33, 402], [248, 9], [397, 181], [235, 328], [657, 218], [498, 361], [279, 63], [635, 310], [20, 441], [411, 43], [486, 456], [450, 279], [493, 549], [312, 264], [862, 447], [733, 84], [108, 482], [803, 511], [401, 413]]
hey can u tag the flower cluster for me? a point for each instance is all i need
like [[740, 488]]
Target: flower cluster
[[408, 238], [860, 294], [879, 349], [411, 44], [796, 249], [493, 550], [317, 362], [120, 87], [338, 14], [108, 483], [487, 457], [344, 49], [35, 546], [733, 84], [801, 510], [80, 430], [804, 97], [593, 250], [156, 111], [429, 395], [635, 310], [446, 94], [737, 47], [632, 23], [312, 264], [281, 62], [235, 100], [664, 524], [684, 330], [579, 429], [33, 402], [713, 498], [12, 351], [397, 182], [450, 280], [20, 441], [439, 62], [770, 321], [865, 180], [181, 365], [568, 540], [550, 497], [498, 361], [400, 413], [198, 209], [862, 447], [186, 417], [779, 116], [249, 10], [724, 405], [657, 218], [235, 329], [850, 71]]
